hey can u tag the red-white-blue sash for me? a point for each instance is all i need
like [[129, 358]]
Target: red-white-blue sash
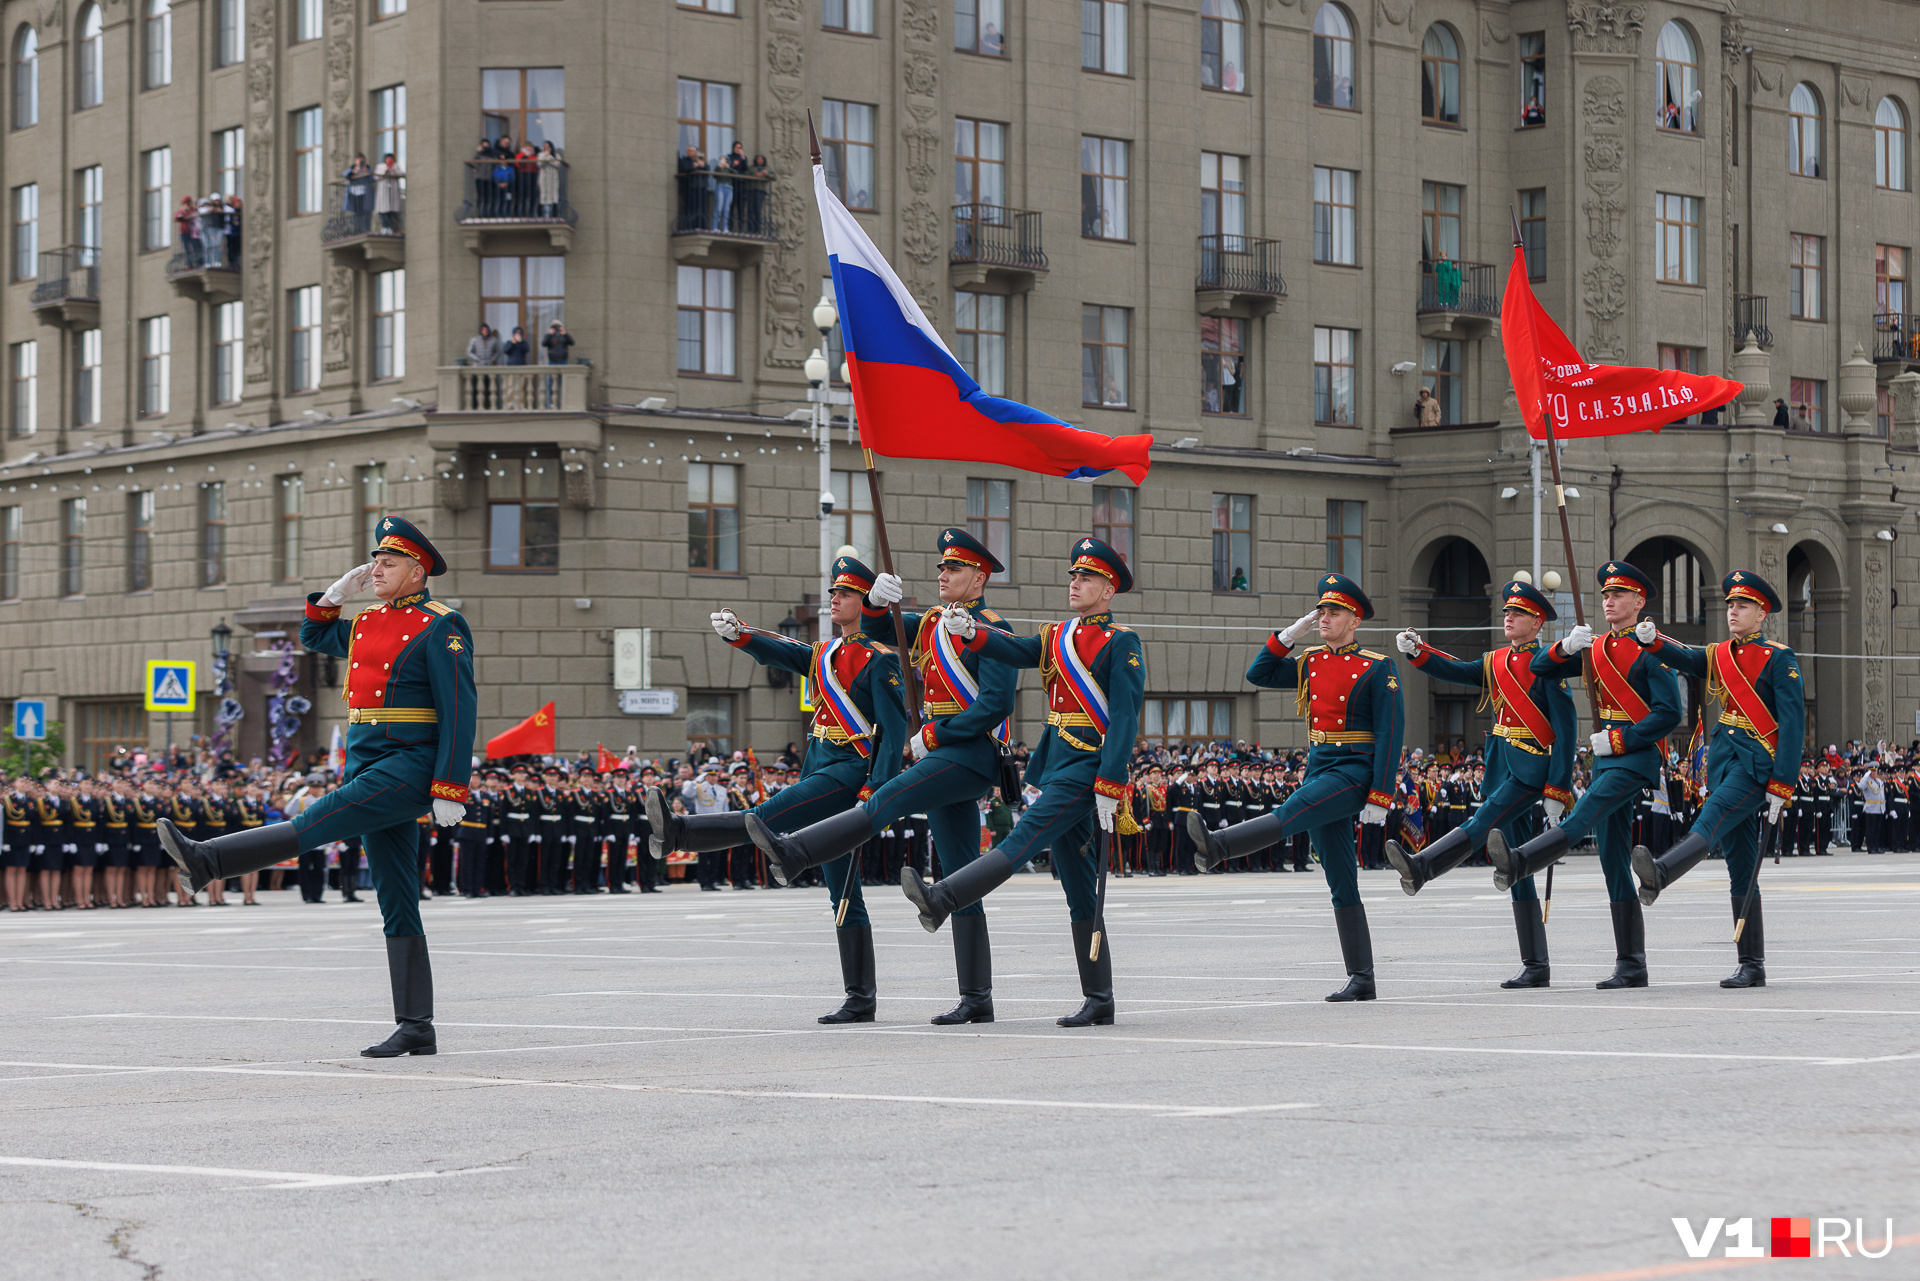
[[1079, 678], [837, 702], [966, 690]]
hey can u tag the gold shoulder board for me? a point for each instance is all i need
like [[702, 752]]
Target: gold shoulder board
[[438, 608], [1367, 653]]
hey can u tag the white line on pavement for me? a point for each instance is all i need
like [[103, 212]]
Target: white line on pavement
[[274, 1178]]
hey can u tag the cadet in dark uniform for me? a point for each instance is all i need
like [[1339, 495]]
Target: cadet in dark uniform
[[521, 811], [647, 865], [616, 826], [555, 826], [470, 837], [115, 818], [149, 858], [1753, 757], [410, 701], [16, 842]]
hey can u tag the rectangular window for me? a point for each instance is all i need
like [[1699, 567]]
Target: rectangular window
[[1103, 188], [1533, 231], [523, 514], [1889, 280], [156, 366], [230, 161], [156, 198], [1233, 542], [23, 372], [1808, 397], [1103, 36], [706, 118], [9, 553], [390, 324], [306, 21], [1533, 79], [289, 504], [229, 33], [1223, 195], [711, 6], [87, 388], [1335, 216], [303, 338], [1333, 376], [846, 146], [373, 503], [847, 15], [980, 338], [710, 721], [307, 161], [1103, 356], [528, 293], [527, 104], [229, 342], [713, 518], [707, 318], [1346, 537], [90, 185], [979, 26], [26, 231], [1113, 519], [990, 517], [158, 37], [388, 8], [1805, 254], [1882, 410], [1441, 367], [213, 533], [1687, 360], [852, 519], [1182, 723], [1223, 46], [73, 533], [1676, 240], [390, 124], [1223, 365], [140, 541], [1440, 205], [980, 168]]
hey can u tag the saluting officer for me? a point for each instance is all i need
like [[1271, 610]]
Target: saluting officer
[[1753, 756]]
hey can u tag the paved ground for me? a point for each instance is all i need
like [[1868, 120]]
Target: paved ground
[[635, 1086]]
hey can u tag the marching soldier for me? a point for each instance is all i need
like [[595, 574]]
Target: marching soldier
[[1529, 760], [1094, 676], [1351, 699], [968, 698], [1639, 703], [1753, 757]]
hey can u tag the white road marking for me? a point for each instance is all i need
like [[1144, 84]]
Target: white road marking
[[273, 1178]]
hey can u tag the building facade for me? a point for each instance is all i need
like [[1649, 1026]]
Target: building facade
[[1256, 229]]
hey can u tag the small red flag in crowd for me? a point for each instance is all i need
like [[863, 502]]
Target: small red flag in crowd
[[605, 761], [531, 737]]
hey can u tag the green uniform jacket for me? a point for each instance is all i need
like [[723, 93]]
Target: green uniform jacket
[[875, 691], [1779, 688], [1119, 667]]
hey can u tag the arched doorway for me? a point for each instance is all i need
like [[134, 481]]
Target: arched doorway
[[1683, 600], [1460, 619], [1816, 606]]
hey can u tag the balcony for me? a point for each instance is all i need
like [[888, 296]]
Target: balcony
[[354, 230], [1239, 276], [1896, 339], [996, 250], [513, 389], [210, 272], [513, 200], [1750, 316], [1458, 299], [69, 290], [722, 219]]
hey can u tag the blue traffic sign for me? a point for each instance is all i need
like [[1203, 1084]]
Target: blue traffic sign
[[169, 686], [30, 718]]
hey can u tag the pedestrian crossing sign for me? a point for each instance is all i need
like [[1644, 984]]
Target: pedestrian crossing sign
[[169, 685]]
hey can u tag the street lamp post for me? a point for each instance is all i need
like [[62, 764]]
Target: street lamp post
[[825, 317]]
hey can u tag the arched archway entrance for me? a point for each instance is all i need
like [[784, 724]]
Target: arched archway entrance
[[1459, 620], [1816, 601]]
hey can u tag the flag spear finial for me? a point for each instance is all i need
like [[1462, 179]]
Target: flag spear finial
[[813, 139]]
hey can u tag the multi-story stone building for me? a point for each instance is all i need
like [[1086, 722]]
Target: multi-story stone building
[[1270, 223]]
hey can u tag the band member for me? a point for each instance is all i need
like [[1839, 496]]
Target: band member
[[1529, 760], [1351, 699], [1753, 757], [1639, 704]]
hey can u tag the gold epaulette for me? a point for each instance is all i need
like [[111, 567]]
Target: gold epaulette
[[1367, 653], [878, 648], [438, 608], [990, 616]]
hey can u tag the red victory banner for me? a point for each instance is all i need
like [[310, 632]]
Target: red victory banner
[[531, 737], [1550, 377]]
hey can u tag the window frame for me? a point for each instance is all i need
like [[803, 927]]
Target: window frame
[[713, 320], [230, 177], [306, 134], [1797, 276], [229, 33], [156, 36], [307, 22], [1890, 278], [1811, 392], [1533, 231], [1665, 69], [990, 512], [1676, 231], [527, 547], [1326, 50], [213, 533], [1154, 708], [1333, 206], [519, 116], [1107, 38], [23, 102], [1223, 200], [1326, 357], [1685, 359], [1098, 351], [304, 303], [229, 353], [89, 58], [141, 509], [724, 132], [1115, 532], [23, 388], [155, 393], [372, 507], [11, 521], [1437, 221], [387, 330], [1435, 65], [1804, 127], [976, 40], [1447, 384], [156, 199], [26, 244], [723, 702], [838, 151], [90, 185], [976, 346], [388, 105], [848, 10], [1890, 147], [716, 535], [383, 9], [1223, 37], [73, 548], [1343, 541], [89, 377], [289, 511], [1533, 76], [1222, 376], [851, 521], [1103, 185], [532, 312], [1235, 540], [971, 137]]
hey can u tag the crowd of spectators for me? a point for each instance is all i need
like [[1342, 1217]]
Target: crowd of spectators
[[520, 182], [723, 193], [209, 231]]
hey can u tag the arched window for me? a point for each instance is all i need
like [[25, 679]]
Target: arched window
[[1440, 76], [1890, 146], [1677, 64], [159, 38], [90, 60], [1333, 57], [1223, 46], [26, 78], [1803, 131]]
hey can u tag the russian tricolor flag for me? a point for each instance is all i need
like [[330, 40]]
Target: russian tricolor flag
[[913, 398]]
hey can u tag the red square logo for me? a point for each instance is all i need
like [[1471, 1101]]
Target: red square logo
[[1792, 1238]]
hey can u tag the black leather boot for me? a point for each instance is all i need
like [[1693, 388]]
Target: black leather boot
[[973, 967], [791, 854], [663, 825], [236, 854], [1657, 873], [412, 979], [1439, 858], [1211, 849], [1629, 945], [1527, 923], [1537, 855], [1356, 948], [1096, 978], [973, 882], [856, 969], [1752, 949]]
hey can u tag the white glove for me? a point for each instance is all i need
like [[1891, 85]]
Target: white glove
[[448, 813], [886, 590], [1554, 810], [1300, 626], [1104, 808], [1373, 815], [918, 745], [726, 624], [1577, 639], [1646, 631], [1775, 804], [957, 622], [351, 583], [1408, 642], [1602, 743]]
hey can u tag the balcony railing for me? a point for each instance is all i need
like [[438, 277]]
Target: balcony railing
[[1896, 337], [717, 203], [509, 389], [1459, 288], [355, 218], [516, 193], [221, 253], [995, 236], [1750, 316], [1241, 265], [68, 274]]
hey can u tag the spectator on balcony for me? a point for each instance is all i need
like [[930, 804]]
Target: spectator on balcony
[[753, 198], [559, 344], [526, 179], [233, 231], [548, 196], [212, 216], [1802, 420], [500, 202], [1427, 408], [990, 40], [187, 219], [386, 193], [695, 184], [1446, 282], [480, 168], [731, 164], [358, 200], [484, 347], [515, 352], [1779, 412]]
